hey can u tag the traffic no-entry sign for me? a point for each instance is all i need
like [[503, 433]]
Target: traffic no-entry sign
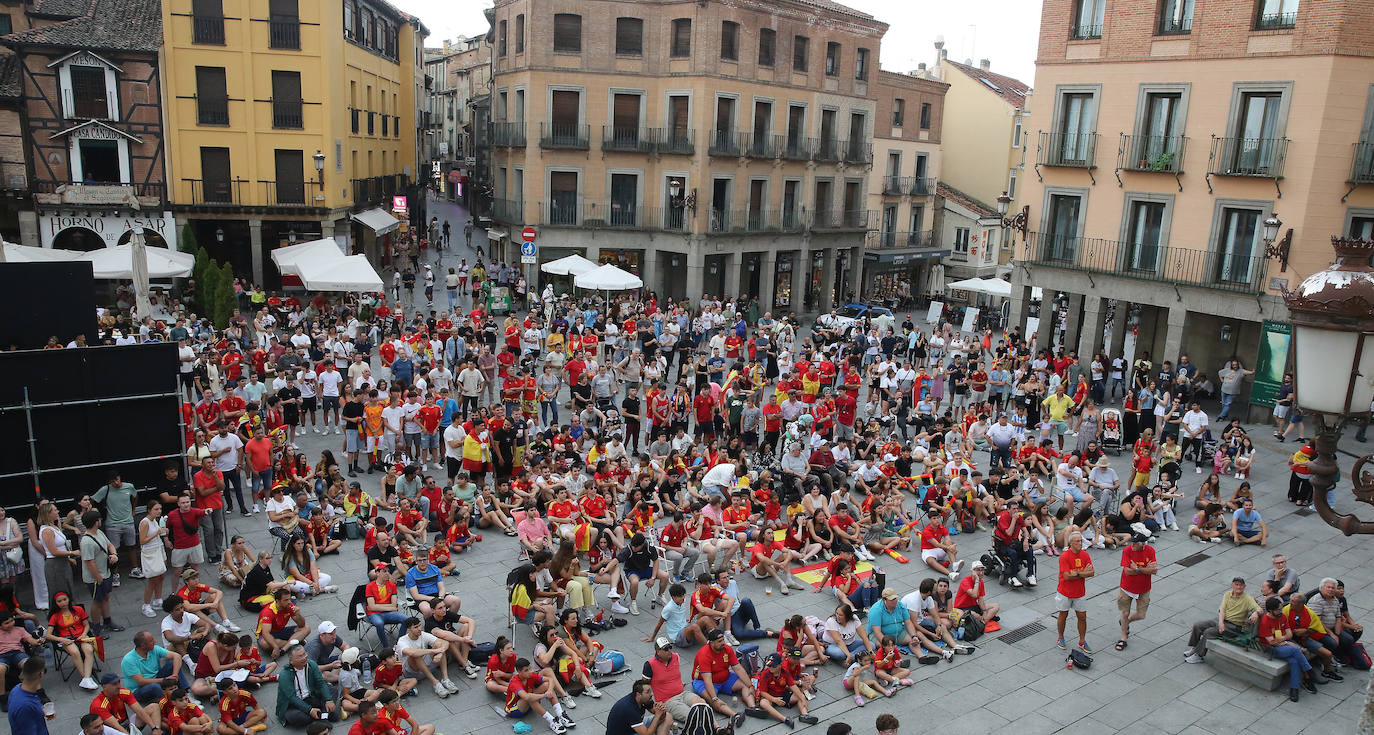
[[528, 234]]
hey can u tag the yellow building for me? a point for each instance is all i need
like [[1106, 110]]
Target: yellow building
[[289, 121], [1188, 169], [984, 147]]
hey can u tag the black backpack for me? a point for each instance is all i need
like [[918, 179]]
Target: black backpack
[[993, 565], [1079, 660]]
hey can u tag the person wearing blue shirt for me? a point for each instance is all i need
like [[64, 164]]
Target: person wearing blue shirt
[[889, 617], [425, 583], [449, 407], [715, 364], [25, 708], [1248, 526], [742, 610], [150, 667]]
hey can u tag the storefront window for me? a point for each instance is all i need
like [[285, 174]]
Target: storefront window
[[782, 283], [626, 260]]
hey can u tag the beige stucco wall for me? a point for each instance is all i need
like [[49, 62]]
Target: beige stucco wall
[[977, 145]]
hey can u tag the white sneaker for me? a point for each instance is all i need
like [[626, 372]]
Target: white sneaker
[[619, 609], [731, 639], [1173, 526], [148, 611], [953, 576], [1198, 470], [441, 690], [255, 509], [331, 588], [958, 565], [1193, 659], [613, 595], [1101, 544], [795, 583], [593, 692], [557, 728], [231, 627], [449, 685], [634, 607], [115, 580], [338, 430], [88, 683], [1199, 539], [471, 671], [1216, 540], [566, 721], [1030, 580], [1016, 583], [948, 654], [568, 702]]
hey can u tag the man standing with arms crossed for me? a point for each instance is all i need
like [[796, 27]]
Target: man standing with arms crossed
[[1075, 566]]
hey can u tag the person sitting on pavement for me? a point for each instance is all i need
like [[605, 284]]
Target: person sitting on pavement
[[1248, 526], [717, 671], [113, 704], [420, 651], [664, 673], [239, 711], [280, 624], [303, 696], [971, 596], [325, 650], [777, 688]]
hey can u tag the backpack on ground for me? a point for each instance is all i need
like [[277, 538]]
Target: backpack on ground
[[970, 628], [1079, 660], [1359, 658], [748, 654], [700, 721]]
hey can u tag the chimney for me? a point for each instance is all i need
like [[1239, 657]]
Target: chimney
[[921, 68], [446, 45], [944, 54], [984, 64]]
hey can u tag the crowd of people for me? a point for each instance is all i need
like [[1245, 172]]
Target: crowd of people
[[641, 454]]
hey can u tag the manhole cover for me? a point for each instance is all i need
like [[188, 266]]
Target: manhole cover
[[1022, 633], [1192, 559]]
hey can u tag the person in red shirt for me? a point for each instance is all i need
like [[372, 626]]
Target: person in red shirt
[[732, 345], [777, 687], [231, 363], [1138, 566], [281, 622], [1075, 566], [367, 723], [232, 408], [429, 416], [772, 425], [1276, 635], [527, 691], [846, 408], [716, 669], [574, 368], [938, 550], [239, 711], [1011, 542], [186, 716], [972, 593], [113, 703], [705, 408]]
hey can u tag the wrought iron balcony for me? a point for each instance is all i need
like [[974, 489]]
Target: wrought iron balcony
[[627, 140], [857, 151], [564, 137], [284, 33], [1160, 153], [797, 148], [507, 211], [889, 240], [676, 141], [1261, 157], [207, 29], [289, 193], [212, 111], [288, 114], [1362, 165], [826, 150], [724, 143], [1225, 271], [854, 219], [759, 145], [1073, 150], [508, 134]]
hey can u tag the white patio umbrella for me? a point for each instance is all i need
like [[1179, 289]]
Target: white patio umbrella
[[117, 263], [344, 273], [573, 265], [142, 304], [286, 258], [608, 278], [14, 253]]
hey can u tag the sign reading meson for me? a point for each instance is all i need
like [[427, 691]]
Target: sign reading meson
[[110, 228]]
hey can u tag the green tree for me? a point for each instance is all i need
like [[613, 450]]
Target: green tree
[[207, 277], [225, 300]]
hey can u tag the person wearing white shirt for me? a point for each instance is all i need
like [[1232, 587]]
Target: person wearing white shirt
[[330, 380], [393, 417], [308, 382], [1194, 433], [441, 377], [1001, 436]]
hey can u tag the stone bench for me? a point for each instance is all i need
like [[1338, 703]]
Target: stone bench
[[1249, 666]]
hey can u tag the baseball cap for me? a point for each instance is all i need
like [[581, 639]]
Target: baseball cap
[[889, 594], [772, 660], [109, 677], [327, 627], [350, 655], [714, 635], [661, 642], [977, 565]]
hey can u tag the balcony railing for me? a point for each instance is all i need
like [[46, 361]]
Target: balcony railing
[[895, 185], [853, 219], [217, 191], [1225, 271], [826, 149], [565, 137], [1085, 31], [507, 211], [353, 115], [1152, 153], [141, 189], [288, 193], [676, 141], [856, 151], [615, 216], [284, 33], [797, 148], [627, 140], [207, 29], [288, 114], [760, 145], [1262, 157], [756, 220], [724, 143], [212, 111], [1174, 26], [1074, 150], [508, 134], [886, 240], [1274, 21], [1362, 166], [376, 189], [923, 186]]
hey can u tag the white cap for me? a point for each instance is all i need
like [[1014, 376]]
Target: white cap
[[327, 627]]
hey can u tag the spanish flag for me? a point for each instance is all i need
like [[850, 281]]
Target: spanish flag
[[520, 602], [582, 537]]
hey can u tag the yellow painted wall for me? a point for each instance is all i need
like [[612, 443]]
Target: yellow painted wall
[[326, 63], [977, 140]]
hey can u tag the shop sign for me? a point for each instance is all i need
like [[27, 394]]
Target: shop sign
[[110, 228]]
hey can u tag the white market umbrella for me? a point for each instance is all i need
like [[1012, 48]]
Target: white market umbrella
[[935, 283], [990, 286], [344, 273], [573, 265], [117, 263], [286, 258], [13, 253], [608, 278]]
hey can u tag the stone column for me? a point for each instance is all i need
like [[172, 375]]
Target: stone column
[[1094, 320], [28, 229], [801, 276], [833, 258], [855, 279], [653, 277], [768, 264], [733, 261], [327, 228], [1072, 320], [255, 247], [1173, 335], [1045, 332], [696, 265], [1020, 301]]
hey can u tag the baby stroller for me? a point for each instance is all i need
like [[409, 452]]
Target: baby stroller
[[1112, 434]]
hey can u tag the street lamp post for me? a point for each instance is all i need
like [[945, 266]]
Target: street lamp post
[[1020, 222], [1332, 312]]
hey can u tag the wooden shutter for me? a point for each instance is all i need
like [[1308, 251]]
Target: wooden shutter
[[725, 108], [214, 174], [567, 32], [625, 112], [210, 84], [677, 110], [682, 37], [290, 177], [283, 9], [565, 107], [207, 8], [286, 86], [629, 36], [562, 182]]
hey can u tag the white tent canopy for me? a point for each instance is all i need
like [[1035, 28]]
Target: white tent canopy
[[343, 273], [573, 265], [287, 258], [118, 262], [12, 253], [990, 286], [378, 220], [608, 278]]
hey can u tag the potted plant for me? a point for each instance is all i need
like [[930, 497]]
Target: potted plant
[[1162, 162]]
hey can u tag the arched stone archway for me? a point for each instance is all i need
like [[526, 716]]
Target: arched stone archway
[[78, 238], [152, 239]]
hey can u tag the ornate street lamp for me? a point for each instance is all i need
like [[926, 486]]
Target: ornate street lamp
[[1332, 312], [1020, 222]]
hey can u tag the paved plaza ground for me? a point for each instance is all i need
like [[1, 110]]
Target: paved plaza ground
[[1022, 685]]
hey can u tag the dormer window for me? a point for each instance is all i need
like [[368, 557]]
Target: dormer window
[[88, 86]]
